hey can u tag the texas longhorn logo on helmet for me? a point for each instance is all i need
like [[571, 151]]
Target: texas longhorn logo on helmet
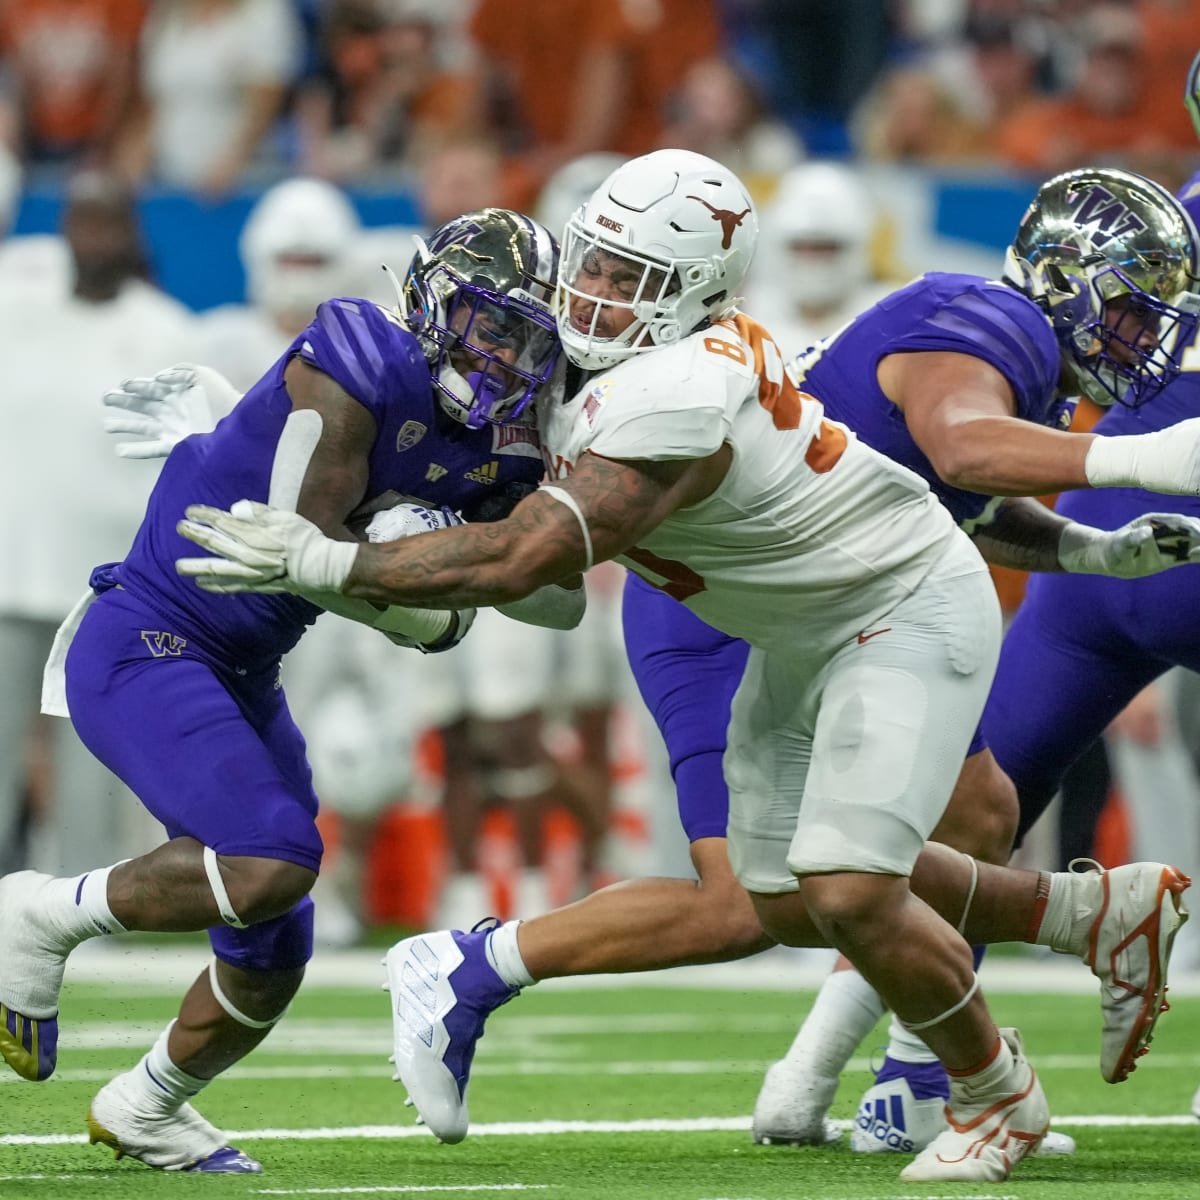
[[729, 220]]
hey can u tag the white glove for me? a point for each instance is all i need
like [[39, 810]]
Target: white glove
[[157, 413], [1165, 461], [262, 549], [407, 519], [1146, 545]]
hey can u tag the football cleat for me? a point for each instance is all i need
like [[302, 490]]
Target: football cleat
[[1139, 909], [791, 1107], [903, 1111], [180, 1140], [987, 1132], [31, 973], [443, 988]]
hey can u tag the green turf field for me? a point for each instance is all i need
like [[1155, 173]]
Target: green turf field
[[609, 1093]]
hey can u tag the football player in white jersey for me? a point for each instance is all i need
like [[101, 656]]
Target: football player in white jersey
[[814, 269], [874, 631], [297, 251]]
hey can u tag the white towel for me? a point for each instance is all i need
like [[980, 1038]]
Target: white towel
[[54, 675]]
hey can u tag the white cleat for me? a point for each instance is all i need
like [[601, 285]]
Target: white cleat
[[31, 974], [1055, 1145], [443, 988], [987, 1133], [791, 1107], [1140, 909], [891, 1119], [181, 1140]]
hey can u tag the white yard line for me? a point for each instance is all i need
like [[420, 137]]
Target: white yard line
[[546, 1128], [169, 968]]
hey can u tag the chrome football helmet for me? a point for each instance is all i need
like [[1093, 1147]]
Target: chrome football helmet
[[657, 252], [1100, 237], [477, 295]]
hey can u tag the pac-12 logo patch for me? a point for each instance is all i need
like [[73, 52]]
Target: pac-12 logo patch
[[411, 432]]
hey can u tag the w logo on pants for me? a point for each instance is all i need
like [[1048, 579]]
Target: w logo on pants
[[163, 645]]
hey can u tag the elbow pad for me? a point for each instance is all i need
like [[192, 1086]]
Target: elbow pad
[[552, 607]]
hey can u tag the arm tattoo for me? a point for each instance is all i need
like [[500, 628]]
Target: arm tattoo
[[540, 542]]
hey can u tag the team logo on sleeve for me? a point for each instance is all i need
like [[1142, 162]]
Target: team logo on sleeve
[[163, 645], [595, 401], [411, 432], [434, 472]]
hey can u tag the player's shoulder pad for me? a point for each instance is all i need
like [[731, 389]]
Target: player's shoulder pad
[[366, 347], [989, 319], [672, 402]]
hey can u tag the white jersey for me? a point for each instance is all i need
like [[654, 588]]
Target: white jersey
[[241, 342], [810, 533]]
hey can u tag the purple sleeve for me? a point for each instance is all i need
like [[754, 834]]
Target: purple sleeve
[[365, 349], [998, 324]]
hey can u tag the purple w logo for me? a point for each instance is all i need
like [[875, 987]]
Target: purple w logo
[[1105, 216]]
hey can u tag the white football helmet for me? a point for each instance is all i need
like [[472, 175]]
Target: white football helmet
[[816, 234], [682, 229], [296, 244]]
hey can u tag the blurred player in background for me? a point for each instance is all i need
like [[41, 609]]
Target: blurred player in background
[[297, 249], [815, 270], [777, 553], [115, 322], [180, 695]]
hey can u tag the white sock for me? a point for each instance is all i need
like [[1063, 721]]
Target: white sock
[[846, 1009], [77, 909], [1070, 910], [505, 956], [905, 1046], [158, 1083], [989, 1078]]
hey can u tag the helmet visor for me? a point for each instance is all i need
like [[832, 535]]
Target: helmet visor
[[607, 295], [1136, 350], [503, 346]]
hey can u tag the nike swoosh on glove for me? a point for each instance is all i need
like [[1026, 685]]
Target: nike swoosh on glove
[[262, 549]]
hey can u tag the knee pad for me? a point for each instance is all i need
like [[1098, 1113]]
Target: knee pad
[[284, 943]]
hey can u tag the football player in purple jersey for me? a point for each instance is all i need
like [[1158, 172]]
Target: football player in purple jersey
[[962, 376], [178, 692]]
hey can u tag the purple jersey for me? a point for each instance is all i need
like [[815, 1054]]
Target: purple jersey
[[1093, 643], [177, 690], [419, 452], [957, 314]]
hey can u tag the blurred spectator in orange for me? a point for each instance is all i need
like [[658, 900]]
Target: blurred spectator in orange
[[383, 88], [214, 74], [1172, 34], [562, 78], [717, 111], [71, 68], [992, 68], [459, 175], [1120, 107]]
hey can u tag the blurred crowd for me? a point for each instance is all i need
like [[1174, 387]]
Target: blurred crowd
[[207, 95], [461, 104]]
